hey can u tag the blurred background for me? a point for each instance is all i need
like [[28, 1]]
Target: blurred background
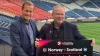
[[84, 13]]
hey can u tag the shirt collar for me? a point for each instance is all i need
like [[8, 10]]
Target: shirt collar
[[61, 26], [25, 22]]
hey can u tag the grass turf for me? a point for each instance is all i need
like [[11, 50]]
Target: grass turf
[[90, 30]]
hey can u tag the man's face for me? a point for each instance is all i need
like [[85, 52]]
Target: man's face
[[58, 14], [27, 12]]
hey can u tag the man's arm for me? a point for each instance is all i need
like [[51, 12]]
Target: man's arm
[[36, 32], [77, 34], [15, 39], [42, 33]]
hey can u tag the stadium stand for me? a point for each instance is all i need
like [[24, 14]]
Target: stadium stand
[[49, 4], [7, 13], [42, 5], [10, 10], [89, 4], [10, 7], [43, 13], [97, 14], [5, 35], [96, 2], [82, 12], [17, 2], [81, 8], [65, 1], [15, 8], [72, 14]]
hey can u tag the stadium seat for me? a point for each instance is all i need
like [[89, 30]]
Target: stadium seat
[[97, 14], [83, 13], [89, 4], [42, 6], [97, 3], [72, 14]]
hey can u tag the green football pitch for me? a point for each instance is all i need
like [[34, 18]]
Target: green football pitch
[[90, 30]]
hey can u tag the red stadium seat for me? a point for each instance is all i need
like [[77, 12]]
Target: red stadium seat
[[14, 6]]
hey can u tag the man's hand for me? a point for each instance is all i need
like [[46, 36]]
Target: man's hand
[[37, 42], [93, 41]]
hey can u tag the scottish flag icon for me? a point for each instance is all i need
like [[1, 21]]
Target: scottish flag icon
[[84, 49]]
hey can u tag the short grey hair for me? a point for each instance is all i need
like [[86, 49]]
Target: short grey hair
[[57, 6]]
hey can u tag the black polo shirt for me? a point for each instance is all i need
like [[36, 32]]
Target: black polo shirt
[[58, 34]]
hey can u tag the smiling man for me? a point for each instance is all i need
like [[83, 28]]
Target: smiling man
[[23, 32], [60, 29]]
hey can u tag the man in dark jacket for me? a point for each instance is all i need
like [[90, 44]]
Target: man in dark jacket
[[59, 29], [23, 32]]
